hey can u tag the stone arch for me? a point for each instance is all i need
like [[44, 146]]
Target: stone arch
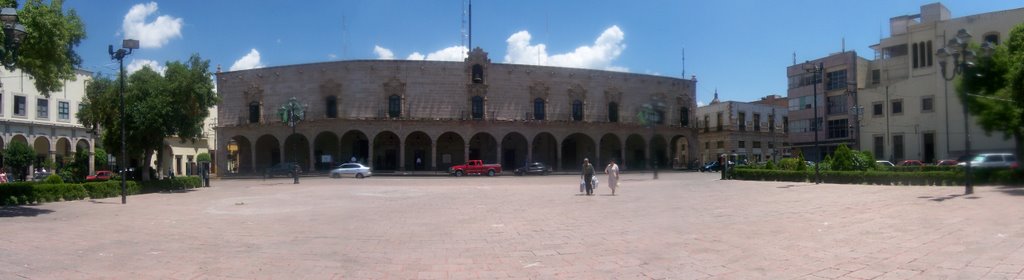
[[484, 147], [513, 151], [545, 149], [355, 144], [268, 152], [450, 150], [635, 153], [417, 146], [41, 145], [240, 155], [385, 151], [611, 148], [296, 149], [659, 152], [575, 148], [20, 138], [326, 144], [63, 153], [678, 152]]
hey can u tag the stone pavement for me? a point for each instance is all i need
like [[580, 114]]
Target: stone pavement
[[683, 226]]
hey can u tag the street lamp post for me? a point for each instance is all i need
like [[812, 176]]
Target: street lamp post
[[652, 116], [126, 48], [957, 47], [291, 114], [816, 69], [14, 32]]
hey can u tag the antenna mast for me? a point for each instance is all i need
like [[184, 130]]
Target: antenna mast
[[463, 29], [684, 63]]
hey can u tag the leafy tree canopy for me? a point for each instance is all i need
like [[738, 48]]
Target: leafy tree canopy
[[994, 89], [47, 51]]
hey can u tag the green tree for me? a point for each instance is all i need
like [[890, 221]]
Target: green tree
[[994, 89], [47, 51], [18, 156], [157, 107]]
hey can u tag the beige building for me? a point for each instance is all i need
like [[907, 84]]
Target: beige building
[[47, 124], [836, 88], [746, 131], [428, 115], [179, 157], [911, 112]]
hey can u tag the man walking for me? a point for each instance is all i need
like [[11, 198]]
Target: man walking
[[588, 176]]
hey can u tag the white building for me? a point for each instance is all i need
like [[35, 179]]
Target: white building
[[910, 110], [47, 124]]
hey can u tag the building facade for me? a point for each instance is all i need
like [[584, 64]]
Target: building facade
[[745, 131], [45, 123], [911, 111], [428, 115], [835, 88]]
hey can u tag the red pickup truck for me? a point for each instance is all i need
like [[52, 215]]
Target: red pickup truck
[[475, 167]]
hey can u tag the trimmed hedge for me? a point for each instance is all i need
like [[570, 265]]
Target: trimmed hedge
[[172, 184], [110, 188], [952, 177], [22, 193]]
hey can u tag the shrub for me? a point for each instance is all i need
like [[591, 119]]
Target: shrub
[[172, 184], [937, 178], [54, 179], [769, 165], [789, 164], [16, 193], [110, 188]]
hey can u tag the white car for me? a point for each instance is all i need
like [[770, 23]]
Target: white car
[[351, 169], [1000, 160], [884, 163]]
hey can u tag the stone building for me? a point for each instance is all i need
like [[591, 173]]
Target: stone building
[[911, 111], [835, 88], [746, 131], [428, 115], [47, 124]]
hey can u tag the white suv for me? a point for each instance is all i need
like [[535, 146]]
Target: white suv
[[999, 160]]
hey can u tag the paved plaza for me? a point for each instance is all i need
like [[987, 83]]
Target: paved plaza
[[682, 226]]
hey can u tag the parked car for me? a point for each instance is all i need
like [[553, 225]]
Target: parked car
[[714, 166], [283, 168], [884, 163], [947, 162], [101, 175], [475, 167], [533, 168], [911, 162], [994, 160], [40, 176], [357, 170]]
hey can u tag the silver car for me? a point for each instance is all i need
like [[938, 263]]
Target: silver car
[[999, 160], [351, 169]]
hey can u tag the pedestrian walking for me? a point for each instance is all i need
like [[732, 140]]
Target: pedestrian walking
[[613, 175], [588, 176]]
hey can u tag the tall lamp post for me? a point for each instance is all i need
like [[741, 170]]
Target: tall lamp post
[[126, 48], [14, 32], [291, 114], [957, 47], [816, 70]]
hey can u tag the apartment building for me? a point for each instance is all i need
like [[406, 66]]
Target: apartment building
[[746, 131], [833, 81]]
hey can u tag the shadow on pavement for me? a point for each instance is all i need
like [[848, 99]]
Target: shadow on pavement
[[1012, 191], [948, 197], [21, 211]]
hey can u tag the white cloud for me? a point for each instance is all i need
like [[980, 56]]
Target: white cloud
[[249, 61], [453, 53], [332, 56], [152, 34], [416, 56], [700, 103], [606, 48], [137, 65], [383, 53]]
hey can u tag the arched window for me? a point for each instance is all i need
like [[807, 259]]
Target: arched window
[[577, 110], [684, 117], [394, 106], [332, 107], [613, 112], [538, 109], [478, 107], [478, 74], [254, 112], [659, 116], [991, 38]]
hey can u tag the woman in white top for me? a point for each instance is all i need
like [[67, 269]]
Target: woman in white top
[[613, 175]]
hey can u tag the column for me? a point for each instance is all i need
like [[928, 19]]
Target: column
[[433, 156], [92, 157], [401, 156], [465, 153], [312, 157]]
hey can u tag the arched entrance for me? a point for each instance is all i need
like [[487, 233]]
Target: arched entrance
[[297, 150], [385, 151], [240, 155], [513, 151], [635, 153], [678, 152], [268, 152], [483, 147], [659, 152], [545, 150], [355, 144], [417, 146], [611, 149], [64, 155], [42, 148], [325, 150], [450, 150], [575, 148]]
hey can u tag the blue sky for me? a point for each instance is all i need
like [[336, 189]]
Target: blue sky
[[740, 48]]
